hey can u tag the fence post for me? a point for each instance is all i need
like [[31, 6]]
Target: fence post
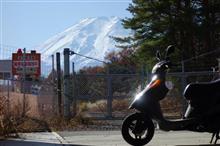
[[142, 77], [53, 84], [148, 75], [59, 96], [218, 66], [183, 85], [23, 82], [8, 99], [66, 88], [74, 100], [109, 97]]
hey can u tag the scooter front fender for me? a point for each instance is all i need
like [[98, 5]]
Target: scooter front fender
[[149, 106]]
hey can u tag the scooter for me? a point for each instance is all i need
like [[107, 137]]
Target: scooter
[[202, 114]]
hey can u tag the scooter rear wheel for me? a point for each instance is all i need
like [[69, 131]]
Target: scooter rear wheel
[[137, 129]]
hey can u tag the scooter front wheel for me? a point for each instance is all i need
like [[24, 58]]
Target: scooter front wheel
[[137, 129]]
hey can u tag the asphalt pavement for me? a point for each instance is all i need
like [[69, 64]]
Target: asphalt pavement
[[114, 138], [106, 138]]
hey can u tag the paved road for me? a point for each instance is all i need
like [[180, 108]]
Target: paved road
[[106, 138], [114, 138]]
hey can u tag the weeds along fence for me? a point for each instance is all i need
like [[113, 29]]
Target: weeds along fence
[[97, 96], [31, 98]]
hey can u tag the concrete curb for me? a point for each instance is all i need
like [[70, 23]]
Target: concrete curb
[[44, 139], [60, 138]]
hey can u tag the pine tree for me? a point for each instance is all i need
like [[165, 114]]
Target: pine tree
[[191, 25]]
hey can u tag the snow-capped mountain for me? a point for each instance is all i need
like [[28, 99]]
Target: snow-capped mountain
[[90, 37]]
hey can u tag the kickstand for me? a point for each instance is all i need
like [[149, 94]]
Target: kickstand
[[213, 135], [216, 135]]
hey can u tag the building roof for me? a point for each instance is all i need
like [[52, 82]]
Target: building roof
[[6, 66]]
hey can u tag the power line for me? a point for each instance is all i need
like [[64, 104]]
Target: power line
[[72, 53]]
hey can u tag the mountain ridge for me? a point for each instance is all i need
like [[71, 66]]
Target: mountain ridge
[[89, 37]]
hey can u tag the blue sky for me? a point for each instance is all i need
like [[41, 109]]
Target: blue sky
[[27, 23]]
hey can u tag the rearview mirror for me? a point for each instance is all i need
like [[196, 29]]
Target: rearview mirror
[[170, 49], [158, 56]]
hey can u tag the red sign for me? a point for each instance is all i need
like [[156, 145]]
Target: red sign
[[28, 63]]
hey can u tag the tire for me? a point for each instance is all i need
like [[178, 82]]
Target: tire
[[146, 128]]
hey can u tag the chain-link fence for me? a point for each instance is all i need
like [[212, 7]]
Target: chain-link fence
[[110, 95], [96, 96], [175, 104], [105, 95]]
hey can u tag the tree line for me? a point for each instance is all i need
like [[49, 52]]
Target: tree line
[[193, 26]]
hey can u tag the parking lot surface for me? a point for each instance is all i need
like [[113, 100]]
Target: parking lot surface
[[106, 138], [114, 138]]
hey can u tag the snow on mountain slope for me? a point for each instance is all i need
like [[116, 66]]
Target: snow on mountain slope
[[89, 37]]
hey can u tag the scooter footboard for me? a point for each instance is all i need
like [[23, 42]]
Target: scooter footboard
[[180, 124]]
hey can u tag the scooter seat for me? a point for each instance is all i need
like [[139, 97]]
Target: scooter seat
[[202, 90]]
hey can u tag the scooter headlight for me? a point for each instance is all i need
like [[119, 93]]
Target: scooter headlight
[[155, 83]]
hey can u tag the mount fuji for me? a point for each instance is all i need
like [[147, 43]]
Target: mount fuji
[[89, 37]]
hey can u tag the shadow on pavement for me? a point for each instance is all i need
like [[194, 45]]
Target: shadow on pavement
[[201, 145], [32, 143]]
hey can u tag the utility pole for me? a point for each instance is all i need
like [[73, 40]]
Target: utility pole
[[59, 97], [66, 89]]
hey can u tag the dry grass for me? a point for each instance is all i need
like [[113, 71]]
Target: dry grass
[[7, 126], [29, 124], [14, 119], [171, 107], [77, 122], [118, 105]]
